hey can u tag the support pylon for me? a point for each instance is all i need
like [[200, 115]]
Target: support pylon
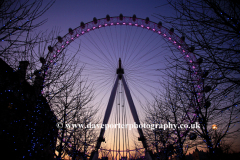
[[120, 72]]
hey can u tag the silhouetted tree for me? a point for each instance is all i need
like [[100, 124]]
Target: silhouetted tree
[[73, 107], [169, 110], [18, 19], [68, 95], [212, 27], [217, 106]]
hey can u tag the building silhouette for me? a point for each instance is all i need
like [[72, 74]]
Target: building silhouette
[[28, 126]]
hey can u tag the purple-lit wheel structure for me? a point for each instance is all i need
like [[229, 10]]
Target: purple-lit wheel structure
[[101, 54]]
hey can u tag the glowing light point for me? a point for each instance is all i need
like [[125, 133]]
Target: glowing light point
[[93, 27], [153, 29], [190, 61], [136, 24], [179, 46], [193, 66], [159, 32], [130, 24], [83, 32], [58, 50], [62, 46], [67, 42], [111, 24], [187, 55], [106, 24], [142, 26], [148, 27], [88, 29], [169, 38], [124, 23], [117, 23], [174, 42], [164, 35], [77, 35], [100, 26], [183, 51], [214, 127]]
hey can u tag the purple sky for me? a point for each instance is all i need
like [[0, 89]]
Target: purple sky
[[69, 13]]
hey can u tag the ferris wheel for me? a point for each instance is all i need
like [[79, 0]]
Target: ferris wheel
[[138, 46]]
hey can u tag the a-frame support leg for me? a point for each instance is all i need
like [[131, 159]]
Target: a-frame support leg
[[136, 119], [120, 72], [94, 155], [133, 111]]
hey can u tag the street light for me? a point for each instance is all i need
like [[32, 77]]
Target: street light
[[214, 127]]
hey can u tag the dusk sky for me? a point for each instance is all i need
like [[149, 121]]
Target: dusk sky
[[172, 66], [65, 14], [68, 14]]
